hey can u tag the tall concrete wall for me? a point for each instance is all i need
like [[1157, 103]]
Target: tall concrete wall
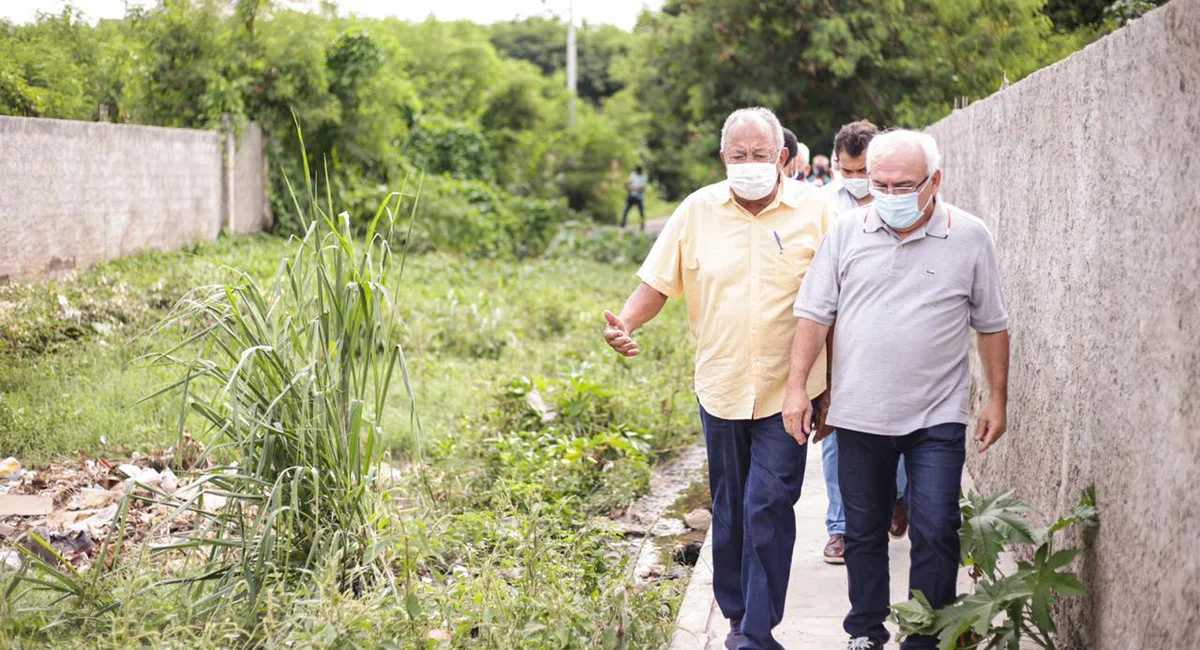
[[1088, 173], [73, 194]]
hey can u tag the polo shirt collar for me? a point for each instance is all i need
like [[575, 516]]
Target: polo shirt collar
[[937, 226]]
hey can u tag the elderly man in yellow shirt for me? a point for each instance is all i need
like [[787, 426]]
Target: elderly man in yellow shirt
[[737, 252]]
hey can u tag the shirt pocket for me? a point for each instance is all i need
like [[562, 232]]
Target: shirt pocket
[[791, 264]]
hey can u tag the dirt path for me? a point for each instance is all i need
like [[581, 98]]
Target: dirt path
[[655, 226]]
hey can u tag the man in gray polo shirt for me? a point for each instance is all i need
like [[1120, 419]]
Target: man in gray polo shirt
[[906, 278]]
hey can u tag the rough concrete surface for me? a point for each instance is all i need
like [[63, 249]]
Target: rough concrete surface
[[1088, 174], [73, 194]]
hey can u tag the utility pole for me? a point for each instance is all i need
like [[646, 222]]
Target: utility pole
[[571, 62]]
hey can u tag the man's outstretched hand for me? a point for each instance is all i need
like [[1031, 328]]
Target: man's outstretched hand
[[617, 335]]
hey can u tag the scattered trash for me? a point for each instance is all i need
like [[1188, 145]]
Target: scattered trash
[[72, 544], [25, 505], [698, 519], [72, 505], [186, 455], [653, 571], [169, 483], [11, 560], [92, 498], [129, 470], [536, 402], [10, 468], [440, 634], [35, 547], [96, 522]]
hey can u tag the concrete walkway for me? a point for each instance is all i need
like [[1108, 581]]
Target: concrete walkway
[[817, 598]]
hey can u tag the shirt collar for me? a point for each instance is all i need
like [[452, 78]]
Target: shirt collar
[[937, 226]]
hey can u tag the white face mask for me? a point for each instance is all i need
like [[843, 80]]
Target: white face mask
[[752, 181], [858, 187]]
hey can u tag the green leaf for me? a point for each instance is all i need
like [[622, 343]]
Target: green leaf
[[412, 605], [1084, 513], [915, 616], [976, 612], [608, 640], [988, 525], [1047, 583]]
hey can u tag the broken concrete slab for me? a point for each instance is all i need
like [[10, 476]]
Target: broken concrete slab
[[25, 505]]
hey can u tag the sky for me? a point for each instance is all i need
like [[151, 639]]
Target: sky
[[622, 13]]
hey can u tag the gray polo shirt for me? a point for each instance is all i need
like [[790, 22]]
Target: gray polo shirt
[[904, 310]]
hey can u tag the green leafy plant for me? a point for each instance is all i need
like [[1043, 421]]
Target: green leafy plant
[[1003, 610]]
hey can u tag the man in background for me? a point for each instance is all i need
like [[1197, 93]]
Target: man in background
[[797, 163], [819, 175], [636, 194], [851, 192]]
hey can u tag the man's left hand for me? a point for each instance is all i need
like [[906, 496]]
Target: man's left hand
[[993, 422]]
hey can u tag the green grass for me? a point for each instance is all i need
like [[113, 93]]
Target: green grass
[[496, 538], [469, 327]]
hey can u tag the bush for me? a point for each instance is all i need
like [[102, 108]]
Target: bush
[[600, 243], [476, 219], [441, 145]]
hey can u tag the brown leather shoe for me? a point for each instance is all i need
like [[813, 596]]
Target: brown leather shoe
[[835, 550], [899, 527]]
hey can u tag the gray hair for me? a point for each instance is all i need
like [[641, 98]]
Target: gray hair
[[753, 114], [889, 141], [802, 152]]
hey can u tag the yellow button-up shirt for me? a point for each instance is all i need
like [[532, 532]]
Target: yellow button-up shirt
[[739, 275]]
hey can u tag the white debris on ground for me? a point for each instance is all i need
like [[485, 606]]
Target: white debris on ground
[[73, 506]]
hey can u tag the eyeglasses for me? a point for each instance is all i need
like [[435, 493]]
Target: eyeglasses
[[899, 189], [739, 157]]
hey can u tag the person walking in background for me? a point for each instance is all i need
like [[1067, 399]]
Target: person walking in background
[[635, 189], [848, 194], [797, 163], [906, 279], [819, 174], [738, 250]]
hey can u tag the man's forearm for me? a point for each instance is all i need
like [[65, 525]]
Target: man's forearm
[[806, 345], [643, 305], [993, 352]]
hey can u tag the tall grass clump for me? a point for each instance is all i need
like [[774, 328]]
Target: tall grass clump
[[285, 380], [290, 379]]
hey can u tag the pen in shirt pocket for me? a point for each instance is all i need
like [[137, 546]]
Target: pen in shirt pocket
[[778, 241]]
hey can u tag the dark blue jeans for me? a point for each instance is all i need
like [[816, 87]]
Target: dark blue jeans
[[933, 458], [631, 201], [754, 472]]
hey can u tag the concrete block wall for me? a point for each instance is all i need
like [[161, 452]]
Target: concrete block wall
[[73, 194], [1088, 173]]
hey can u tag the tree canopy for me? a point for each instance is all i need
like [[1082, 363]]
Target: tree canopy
[[471, 104]]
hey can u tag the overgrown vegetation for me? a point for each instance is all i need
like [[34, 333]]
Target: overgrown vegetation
[[1003, 610], [498, 534]]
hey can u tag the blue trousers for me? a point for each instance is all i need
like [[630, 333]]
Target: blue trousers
[[835, 515], [934, 458], [631, 201], [755, 470]]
